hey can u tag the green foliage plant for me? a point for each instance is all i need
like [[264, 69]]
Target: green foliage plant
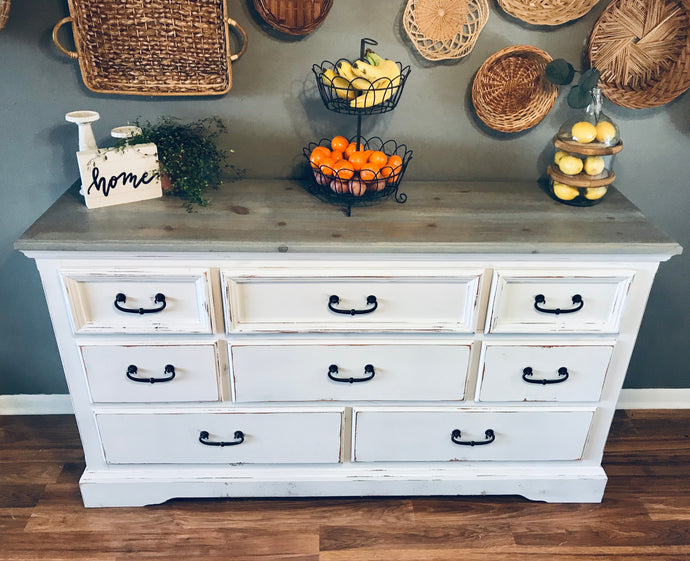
[[561, 73], [189, 155]]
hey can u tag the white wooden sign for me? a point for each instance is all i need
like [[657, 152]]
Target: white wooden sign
[[113, 177]]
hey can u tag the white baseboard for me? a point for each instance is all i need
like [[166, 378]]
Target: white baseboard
[[60, 404]]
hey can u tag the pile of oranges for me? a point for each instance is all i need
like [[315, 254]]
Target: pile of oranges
[[347, 167]]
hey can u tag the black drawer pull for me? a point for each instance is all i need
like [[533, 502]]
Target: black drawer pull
[[333, 300], [489, 433], [368, 370], [540, 299], [204, 439], [562, 372], [169, 370], [157, 299]]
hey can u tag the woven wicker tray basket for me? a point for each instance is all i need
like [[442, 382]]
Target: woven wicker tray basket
[[510, 92], [444, 29], [294, 17], [4, 12], [156, 47], [642, 49], [547, 12]]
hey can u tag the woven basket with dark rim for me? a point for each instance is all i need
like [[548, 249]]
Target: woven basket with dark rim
[[547, 12], [444, 29], [642, 49], [294, 17], [510, 92], [4, 12], [157, 47]]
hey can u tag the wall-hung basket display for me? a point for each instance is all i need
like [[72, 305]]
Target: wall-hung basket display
[[4, 12], [510, 92], [444, 29], [642, 49], [547, 12], [294, 17], [157, 47]]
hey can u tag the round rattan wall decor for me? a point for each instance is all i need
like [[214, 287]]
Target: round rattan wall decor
[[294, 17], [444, 29], [510, 92], [642, 49], [4, 12], [547, 12]]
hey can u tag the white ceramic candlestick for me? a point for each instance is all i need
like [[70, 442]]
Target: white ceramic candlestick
[[83, 120]]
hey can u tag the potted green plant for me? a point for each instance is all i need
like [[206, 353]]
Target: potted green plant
[[190, 160]]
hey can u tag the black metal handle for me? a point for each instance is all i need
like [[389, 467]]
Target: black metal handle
[[489, 433], [368, 370], [371, 301], [540, 299], [169, 370], [157, 299], [204, 439], [562, 372]]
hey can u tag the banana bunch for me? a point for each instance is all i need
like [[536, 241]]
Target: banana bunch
[[364, 83]]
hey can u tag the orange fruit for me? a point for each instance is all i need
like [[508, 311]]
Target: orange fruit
[[358, 159], [394, 164], [326, 166], [317, 156], [377, 157], [343, 169], [323, 149], [336, 155], [368, 172], [352, 147], [394, 161], [339, 143], [368, 153]]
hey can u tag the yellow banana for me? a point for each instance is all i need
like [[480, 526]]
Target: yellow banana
[[345, 71], [382, 67], [380, 91], [340, 85], [384, 75]]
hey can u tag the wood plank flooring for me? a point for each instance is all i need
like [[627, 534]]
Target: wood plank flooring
[[645, 514]]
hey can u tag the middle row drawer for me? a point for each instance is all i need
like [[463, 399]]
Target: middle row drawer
[[355, 371]]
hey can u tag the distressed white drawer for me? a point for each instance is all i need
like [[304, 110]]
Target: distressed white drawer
[[151, 373], [557, 302], [240, 436], [549, 372], [139, 300], [380, 301], [333, 372], [442, 434]]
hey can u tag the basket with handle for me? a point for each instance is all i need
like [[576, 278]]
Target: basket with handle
[[158, 47], [294, 17]]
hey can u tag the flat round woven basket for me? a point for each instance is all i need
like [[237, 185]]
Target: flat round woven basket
[[547, 12], [510, 92], [4, 12], [642, 49], [444, 29], [294, 17]]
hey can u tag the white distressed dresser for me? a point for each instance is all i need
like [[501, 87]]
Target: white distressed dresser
[[473, 340]]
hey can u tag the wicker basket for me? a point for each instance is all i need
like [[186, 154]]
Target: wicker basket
[[157, 47], [445, 29], [4, 12], [642, 49], [294, 17], [510, 92], [547, 12]]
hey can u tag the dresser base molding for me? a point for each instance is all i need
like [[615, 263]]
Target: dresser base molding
[[559, 484]]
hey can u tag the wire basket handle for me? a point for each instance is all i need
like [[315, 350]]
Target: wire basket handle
[[58, 25], [241, 34]]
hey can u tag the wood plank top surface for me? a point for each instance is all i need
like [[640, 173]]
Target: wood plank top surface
[[280, 216]]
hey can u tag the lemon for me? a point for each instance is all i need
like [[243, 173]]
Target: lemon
[[606, 132], [557, 157], [594, 193], [570, 165], [583, 132], [594, 165], [564, 192]]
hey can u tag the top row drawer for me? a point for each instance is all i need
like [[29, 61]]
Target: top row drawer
[[264, 300]]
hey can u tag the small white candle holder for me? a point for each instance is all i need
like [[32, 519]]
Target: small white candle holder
[[83, 120]]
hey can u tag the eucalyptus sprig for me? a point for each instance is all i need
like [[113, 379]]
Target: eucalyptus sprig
[[561, 73], [189, 155]]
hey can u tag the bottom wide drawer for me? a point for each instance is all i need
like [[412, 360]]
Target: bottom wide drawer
[[412, 434], [256, 436]]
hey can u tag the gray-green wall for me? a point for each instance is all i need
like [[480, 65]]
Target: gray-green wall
[[273, 110]]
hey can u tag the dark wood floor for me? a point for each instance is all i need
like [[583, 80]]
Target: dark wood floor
[[645, 514]]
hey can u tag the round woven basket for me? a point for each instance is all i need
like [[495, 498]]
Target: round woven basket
[[444, 29], [642, 49], [547, 12], [510, 92], [4, 12], [294, 17]]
